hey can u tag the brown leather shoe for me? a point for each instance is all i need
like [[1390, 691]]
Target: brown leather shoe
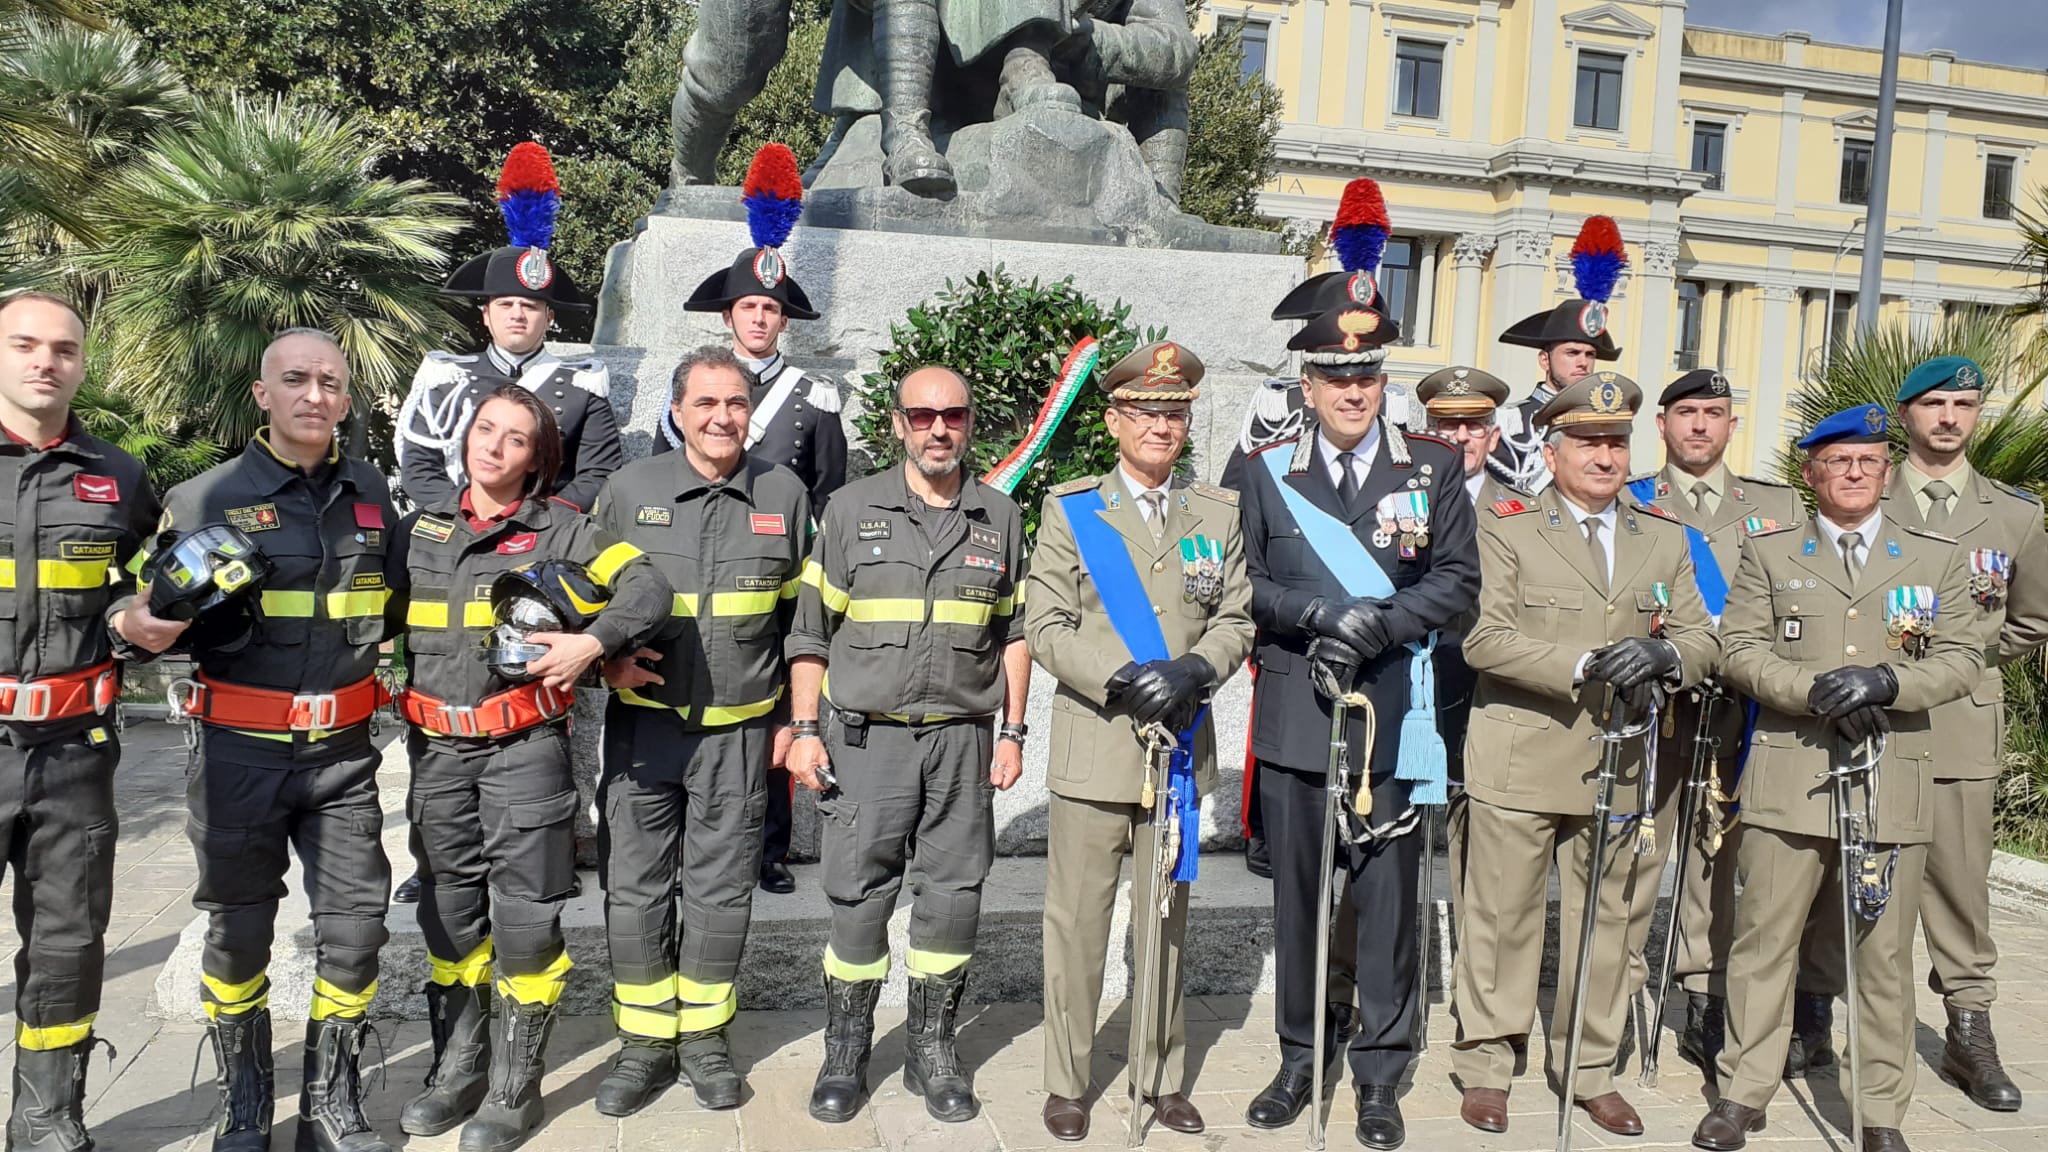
[[1485, 1109], [1177, 1112], [1066, 1119], [1884, 1140], [1726, 1126], [1614, 1114]]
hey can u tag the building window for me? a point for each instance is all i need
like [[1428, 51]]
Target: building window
[[1253, 37], [1418, 79], [1841, 318], [1400, 282], [1998, 187], [1692, 307], [1599, 97], [1709, 142], [1855, 172]]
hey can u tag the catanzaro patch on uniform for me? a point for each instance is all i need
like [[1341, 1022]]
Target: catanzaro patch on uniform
[[84, 550], [654, 515], [769, 524], [978, 594], [428, 528], [96, 489], [757, 583], [875, 529], [518, 544], [256, 518], [988, 538], [366, 581]]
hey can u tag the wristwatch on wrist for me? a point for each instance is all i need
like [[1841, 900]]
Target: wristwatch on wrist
[[805, 730], [1014, 732]]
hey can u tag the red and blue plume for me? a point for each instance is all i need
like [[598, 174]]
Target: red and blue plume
[[1598, 258], [529, 196], [1359, 234], [773, 194]]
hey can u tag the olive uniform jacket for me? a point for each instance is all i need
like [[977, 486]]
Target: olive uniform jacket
[[1541, 608], [1987, 516], [1791, 616], [1096, 754]]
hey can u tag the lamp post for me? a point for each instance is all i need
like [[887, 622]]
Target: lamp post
[[1865, 316], [1872, 283]]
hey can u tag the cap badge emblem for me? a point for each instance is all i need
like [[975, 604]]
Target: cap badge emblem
[[1593, 318], [533, 270], [1873, 419], [1165, 367], [1356, 324], [1717, 385], [1968, 377], [1606, 395], [1360, 288], [768, 267]]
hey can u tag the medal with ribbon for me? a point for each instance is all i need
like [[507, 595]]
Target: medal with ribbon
[[1201, 567], [1405, 513], [1990, 571], [1909, 618]]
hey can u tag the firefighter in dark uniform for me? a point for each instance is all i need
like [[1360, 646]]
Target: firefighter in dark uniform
[[914, 594], [285, 698], [519, 289], [1361, 601], [81, 508], [694, 720], [795, 423], [493, 804]]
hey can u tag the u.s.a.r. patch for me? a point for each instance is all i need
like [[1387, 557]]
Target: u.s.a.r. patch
[[875, 529]]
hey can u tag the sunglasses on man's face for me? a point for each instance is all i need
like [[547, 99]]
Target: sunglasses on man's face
[[922, 418]]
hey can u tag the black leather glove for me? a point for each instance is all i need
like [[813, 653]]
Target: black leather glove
[[1631, 663], [1865, 723], [1635, 700], [1841, 690], [1361, 624], [1163, 688], [1113, 692]]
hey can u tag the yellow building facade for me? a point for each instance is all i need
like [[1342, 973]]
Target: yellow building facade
[[1736, 164]]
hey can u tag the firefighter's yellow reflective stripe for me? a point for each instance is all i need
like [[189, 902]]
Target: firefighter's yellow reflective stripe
[[357, 602], [885, 610], [1008, 604], [426, 614], [685, 604], [790, 587], [312, 737], [331, 1002], [655, 1025], [715, 716], [6, 572], [470, 971], [51, 1037], [743, 603], [922, 963], [693, 992], [960, 612], [478, 614], [543, 987], [610, 560], [655, 995], [224, 999], [277, 602], [835, 600], [1017, 597], [72, 574], [705, 1017], [135, 562], [841, 970]]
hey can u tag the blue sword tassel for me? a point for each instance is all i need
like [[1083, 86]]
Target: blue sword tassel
[[1422, 759]]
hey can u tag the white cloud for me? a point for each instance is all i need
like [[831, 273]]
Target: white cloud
[[2001, 31]]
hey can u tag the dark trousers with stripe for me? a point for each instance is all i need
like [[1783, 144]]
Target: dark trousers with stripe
[[57, 832]]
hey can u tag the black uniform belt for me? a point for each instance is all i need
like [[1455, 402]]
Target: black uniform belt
[[906, 720], [45, 698]]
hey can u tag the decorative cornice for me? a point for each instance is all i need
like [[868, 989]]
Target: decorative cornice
[[1660, 258], [1722, 70], [1526, 246], [1780, 293], [1612, 19], [1471, 249]]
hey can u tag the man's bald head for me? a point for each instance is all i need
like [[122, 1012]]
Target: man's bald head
[[297, 344], [933, 386]]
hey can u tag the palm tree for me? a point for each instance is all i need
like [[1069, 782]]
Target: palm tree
[[39, 157], [261, 215]]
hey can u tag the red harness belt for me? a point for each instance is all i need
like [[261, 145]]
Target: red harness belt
[[46, 698], [268, 710], [500, 714]]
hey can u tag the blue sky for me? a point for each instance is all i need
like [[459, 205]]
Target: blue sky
[[2004, 31]]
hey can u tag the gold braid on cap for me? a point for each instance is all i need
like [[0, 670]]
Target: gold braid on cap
[[1127, 392], [1369, 356], [1164, 369]]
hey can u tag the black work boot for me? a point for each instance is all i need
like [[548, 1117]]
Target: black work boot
[[459, 1016], [248, 1081], [849, 1040], [512, 1110], [931, 1066], [1706, 1019], [331, 1101], [707, 1061], [1813, 1034], [643, 1069], [49, 1099], [1970, 1059]]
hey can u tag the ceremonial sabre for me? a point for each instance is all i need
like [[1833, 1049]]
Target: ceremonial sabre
[[1706, 747], [1074, 372], [1151, 894], [1337, 792], [1866, 887]]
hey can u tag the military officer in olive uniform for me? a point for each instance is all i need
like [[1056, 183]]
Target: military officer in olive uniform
[[1842, 629], [1583, 591], [1718, 509], [1357, 559], [1178, 546], [2001, 531], [795, 423]]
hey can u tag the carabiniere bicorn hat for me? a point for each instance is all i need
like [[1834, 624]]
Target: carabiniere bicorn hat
[[529, 196], [773, 194], [1359, 237], [1598, 259]]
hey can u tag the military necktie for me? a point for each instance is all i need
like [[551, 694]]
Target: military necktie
[[1938, 493], [1702, 492], [1347, 489], [1598, 553], [1851, 541], [1155, 508]]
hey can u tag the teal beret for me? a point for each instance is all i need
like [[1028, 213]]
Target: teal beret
[[1948, 373]]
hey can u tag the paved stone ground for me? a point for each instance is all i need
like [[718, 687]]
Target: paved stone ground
[[149, 1098]]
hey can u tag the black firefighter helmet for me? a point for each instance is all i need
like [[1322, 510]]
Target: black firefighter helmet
[[193, 573], [544, 596]]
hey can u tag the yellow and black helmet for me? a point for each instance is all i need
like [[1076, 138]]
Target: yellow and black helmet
[[192, 573], [544, 596]]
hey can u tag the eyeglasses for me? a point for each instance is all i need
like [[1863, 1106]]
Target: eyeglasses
[[923, 418], [1841, 465], [1152, 418]]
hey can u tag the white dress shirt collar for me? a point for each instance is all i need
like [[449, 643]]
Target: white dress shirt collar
[[1871, 528], [1606, 516], [1138, 489], [1362, 456]]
